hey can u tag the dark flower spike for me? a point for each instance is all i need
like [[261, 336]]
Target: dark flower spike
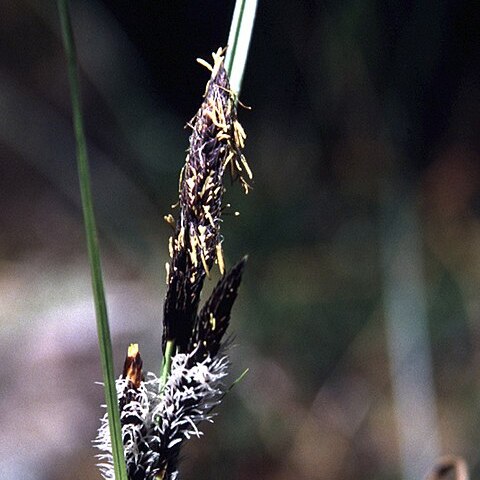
[[216, 143], [213, 319]]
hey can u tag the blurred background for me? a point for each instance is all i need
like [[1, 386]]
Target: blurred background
[[359, 316]]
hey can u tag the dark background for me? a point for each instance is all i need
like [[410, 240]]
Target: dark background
[[364, 141]]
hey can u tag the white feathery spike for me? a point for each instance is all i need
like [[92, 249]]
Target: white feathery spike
[[163, 421]]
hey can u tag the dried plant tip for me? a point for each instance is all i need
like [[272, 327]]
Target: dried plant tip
[[132, 378], [132, 369]]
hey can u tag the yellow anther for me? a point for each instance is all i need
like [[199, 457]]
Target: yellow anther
[[220, 260], [132, 350]]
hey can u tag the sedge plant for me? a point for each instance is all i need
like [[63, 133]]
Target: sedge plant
[[149, 417]]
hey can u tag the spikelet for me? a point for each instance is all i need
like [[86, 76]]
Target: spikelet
[[216, 144], [155, 424]]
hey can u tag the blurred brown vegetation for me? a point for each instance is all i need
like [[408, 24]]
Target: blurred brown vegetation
[[358, 107]]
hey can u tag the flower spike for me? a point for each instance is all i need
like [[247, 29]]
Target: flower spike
[[157, 414], [216, 143]]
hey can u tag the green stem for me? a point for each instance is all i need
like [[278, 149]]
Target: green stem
[[167, 363], [239, 41], [103, 330]]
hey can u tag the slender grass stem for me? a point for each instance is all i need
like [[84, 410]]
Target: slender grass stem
[[92, 245], [239, 41]]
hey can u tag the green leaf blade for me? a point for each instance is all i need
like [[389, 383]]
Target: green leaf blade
[[103, 329]]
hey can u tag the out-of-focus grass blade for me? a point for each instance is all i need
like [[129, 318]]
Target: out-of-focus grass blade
[[103, 329]]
